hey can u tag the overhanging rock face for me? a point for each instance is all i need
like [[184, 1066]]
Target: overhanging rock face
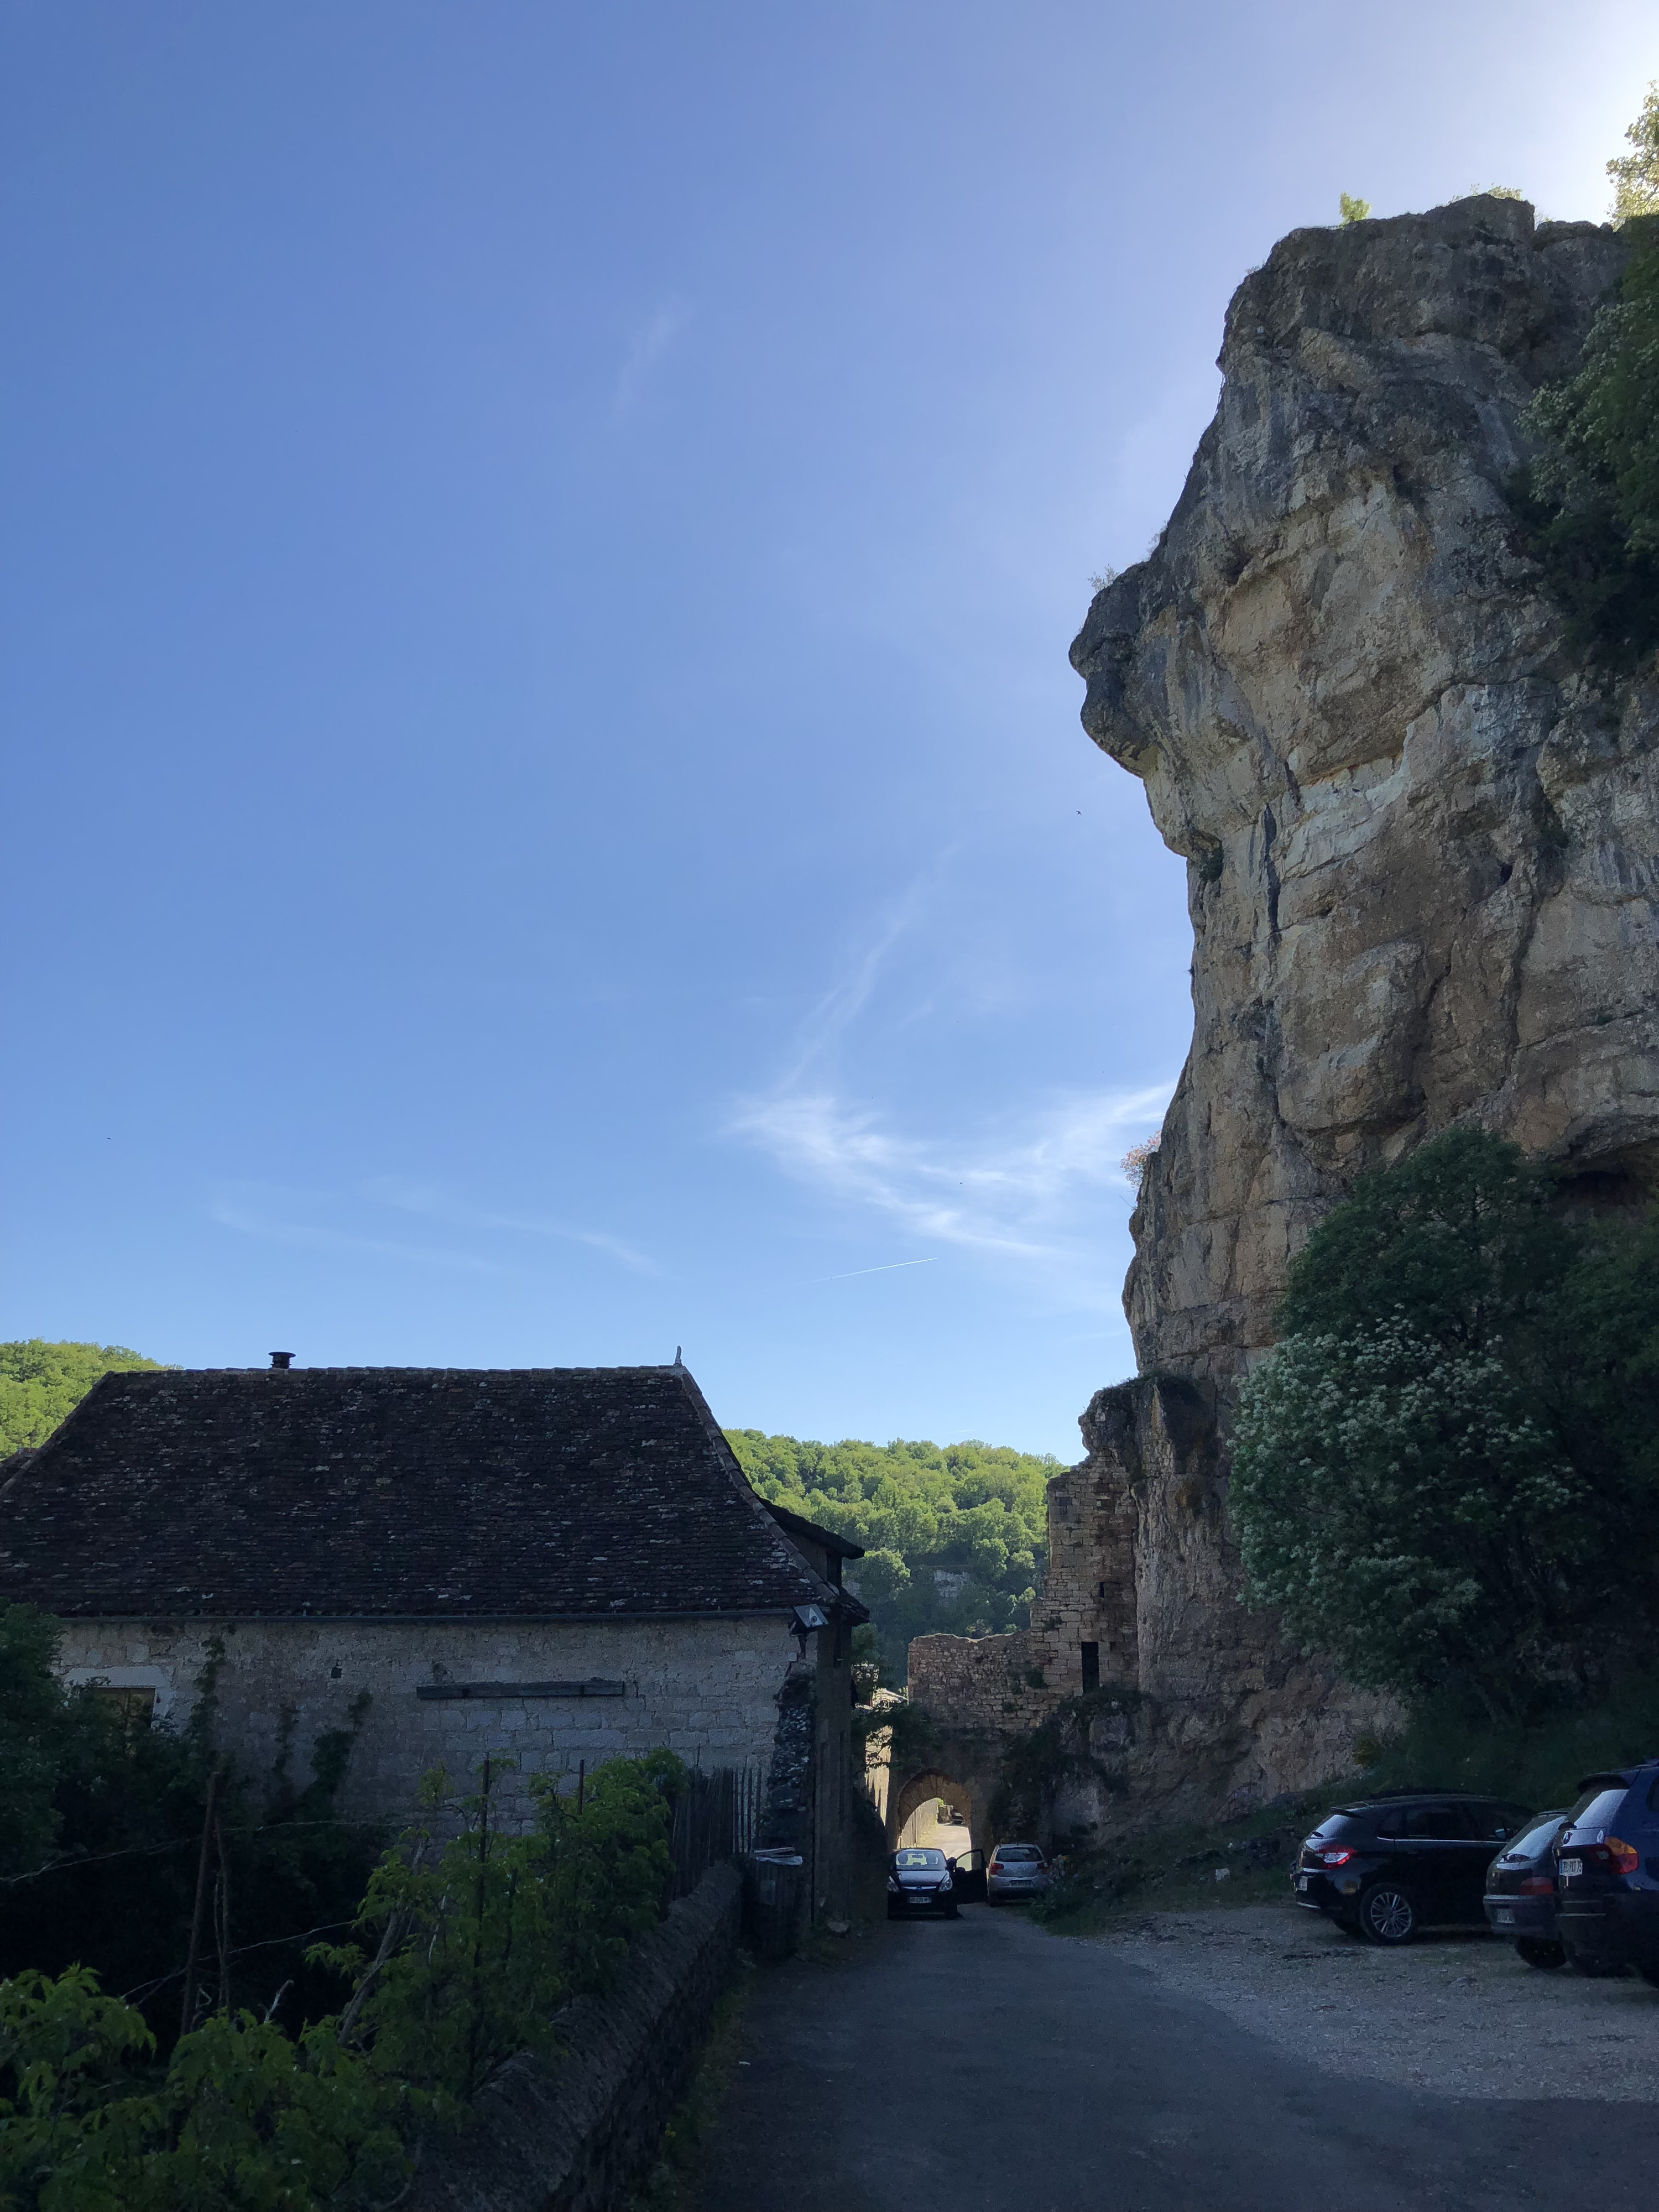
[[1423, 874]]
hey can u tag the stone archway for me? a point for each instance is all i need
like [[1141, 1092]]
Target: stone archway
[[916, 1790]]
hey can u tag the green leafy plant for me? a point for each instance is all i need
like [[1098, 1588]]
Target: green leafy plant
[[1635, 175], [1444, 1475], [242, 2119], [1353, 210], [478, 1937], [100, 1825]]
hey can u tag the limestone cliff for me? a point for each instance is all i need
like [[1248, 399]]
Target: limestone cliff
[[1421, 850], [1423, 869]]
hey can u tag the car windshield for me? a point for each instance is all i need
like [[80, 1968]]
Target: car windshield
[[1536, 1839], [910, 1861], [1496, 1823], [1597, 1810], [1018, 1855]]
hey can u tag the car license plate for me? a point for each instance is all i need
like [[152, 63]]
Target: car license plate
[[1302, 1882], [1502, 1918], [1568, 1868]]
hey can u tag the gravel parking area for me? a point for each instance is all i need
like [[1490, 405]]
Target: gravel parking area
[[1456, 2013]]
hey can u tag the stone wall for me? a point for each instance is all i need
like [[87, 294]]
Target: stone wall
[[576, 2132], [705, 1688], [1190, 1704]]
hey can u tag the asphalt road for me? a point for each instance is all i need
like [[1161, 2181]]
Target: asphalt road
[[980, 2065]]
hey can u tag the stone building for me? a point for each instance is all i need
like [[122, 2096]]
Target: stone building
[[562, 1565]]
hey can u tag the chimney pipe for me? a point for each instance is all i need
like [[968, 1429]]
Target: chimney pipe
[[283, 1359]]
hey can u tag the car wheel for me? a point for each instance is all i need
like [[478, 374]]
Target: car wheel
[[1387, 1914], [953, 1912], [1537, 1953], [892, 1910]]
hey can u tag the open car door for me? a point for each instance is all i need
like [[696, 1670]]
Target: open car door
[[968, 1877]]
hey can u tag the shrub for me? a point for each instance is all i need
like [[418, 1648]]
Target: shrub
[[100, 1824], [481, 1937], [242, 2119]]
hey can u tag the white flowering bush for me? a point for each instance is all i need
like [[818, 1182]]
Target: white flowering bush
[[1400, 1503]]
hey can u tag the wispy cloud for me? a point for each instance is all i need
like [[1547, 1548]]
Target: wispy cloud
[[841, 1005], [290, 1217], [317, 1237], [650, 342], [1028, 1190], [437, 1204], [1015, 1193]]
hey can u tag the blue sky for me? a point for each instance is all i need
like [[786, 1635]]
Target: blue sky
[[546, 815]]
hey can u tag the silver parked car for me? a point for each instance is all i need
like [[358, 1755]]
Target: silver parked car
[[1015, 1871]]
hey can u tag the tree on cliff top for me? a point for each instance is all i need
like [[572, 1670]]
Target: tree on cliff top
[[1445, 1476], [41, 1382], [1589, 504], [1636, 175]]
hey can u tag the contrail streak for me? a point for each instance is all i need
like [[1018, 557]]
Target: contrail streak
[[886, 1270]]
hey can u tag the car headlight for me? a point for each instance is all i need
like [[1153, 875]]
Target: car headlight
[[945, 1884], [892, 1885]]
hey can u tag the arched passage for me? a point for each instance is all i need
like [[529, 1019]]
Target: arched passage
[[915, 1793]]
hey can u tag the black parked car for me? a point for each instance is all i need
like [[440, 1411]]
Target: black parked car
[[918, 1880], [1389, 1866], [1520, 1898], [1606, 1873]]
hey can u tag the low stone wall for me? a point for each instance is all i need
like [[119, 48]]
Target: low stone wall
[[574, 2134]]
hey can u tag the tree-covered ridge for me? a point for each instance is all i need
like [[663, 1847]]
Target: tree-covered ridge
[[41, 1382], [953, 1534]]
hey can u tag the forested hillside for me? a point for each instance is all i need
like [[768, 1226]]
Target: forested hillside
[[953, 1535], [40, 1382]]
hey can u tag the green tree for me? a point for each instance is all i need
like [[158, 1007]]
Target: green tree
[[1402, 1506], [1459, 1237], [41, 1382], [1353, 210], [99, 1822], [242, 2119], [1635, 175], [35, 1737], [953, 1536], [1589, 505], [1444, 1475]]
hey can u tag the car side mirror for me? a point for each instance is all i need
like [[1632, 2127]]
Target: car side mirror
[[950, 1866]]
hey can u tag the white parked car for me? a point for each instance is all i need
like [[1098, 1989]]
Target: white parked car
[[1015, 1871]]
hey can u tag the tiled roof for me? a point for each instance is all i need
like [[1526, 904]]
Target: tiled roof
[[393, 1491]]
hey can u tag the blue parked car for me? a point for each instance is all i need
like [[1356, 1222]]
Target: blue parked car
[[1606, 1873]]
